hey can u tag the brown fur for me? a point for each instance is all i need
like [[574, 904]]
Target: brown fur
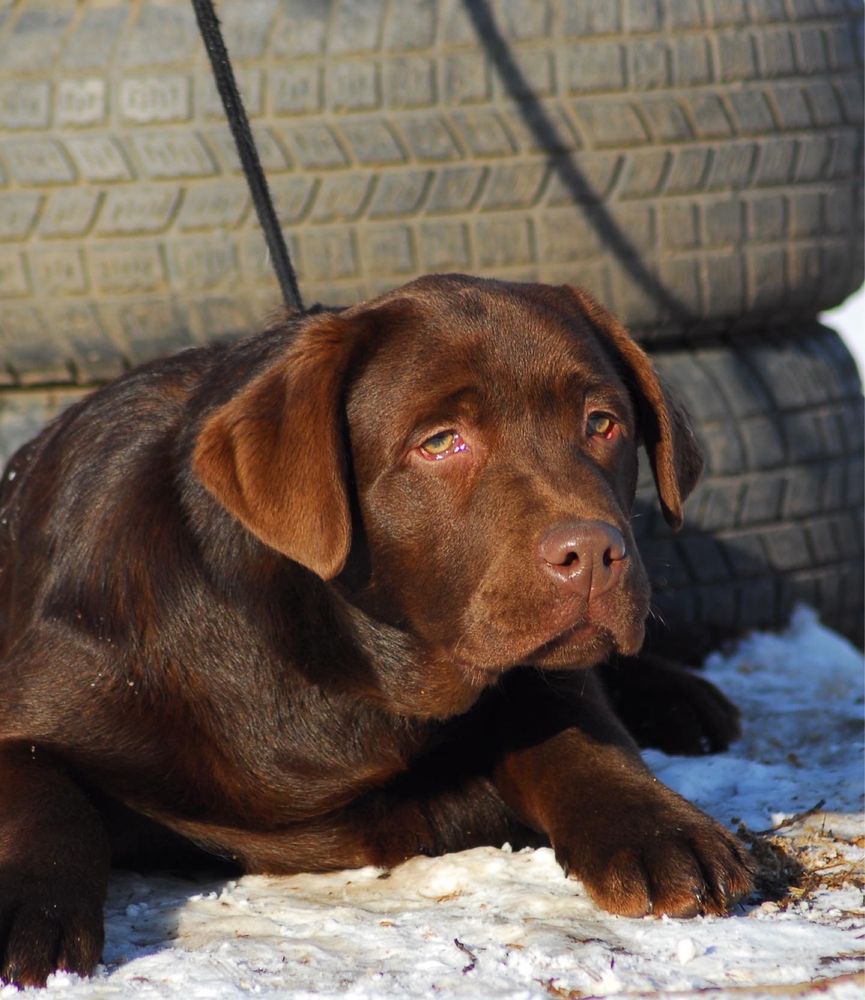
[[242, 613]]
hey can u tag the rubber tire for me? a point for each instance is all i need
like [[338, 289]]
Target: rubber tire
[[693, 163], [777, 517]]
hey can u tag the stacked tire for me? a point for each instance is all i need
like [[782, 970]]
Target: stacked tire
[[694, 163], [777, 517]]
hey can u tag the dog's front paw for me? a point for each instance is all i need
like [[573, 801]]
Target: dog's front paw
[[46, 926], [656, 854], [668, 706]]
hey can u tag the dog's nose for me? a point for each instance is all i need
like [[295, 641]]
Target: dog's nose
[[583, 557]]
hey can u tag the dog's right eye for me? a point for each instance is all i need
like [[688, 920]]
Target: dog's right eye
[[438, 444], [442, 445]]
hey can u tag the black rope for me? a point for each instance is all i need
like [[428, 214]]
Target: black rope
[[208, 24]]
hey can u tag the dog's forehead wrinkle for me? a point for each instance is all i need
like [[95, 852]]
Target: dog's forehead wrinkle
[[504, 364]]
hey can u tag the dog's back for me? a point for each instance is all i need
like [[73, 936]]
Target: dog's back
[[64, 494]]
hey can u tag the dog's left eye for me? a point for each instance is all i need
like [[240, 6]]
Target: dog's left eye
[[601, 424]]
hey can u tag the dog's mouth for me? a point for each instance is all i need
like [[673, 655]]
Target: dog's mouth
[[571, 637], [614, 623], [580, 632], [583, 644]]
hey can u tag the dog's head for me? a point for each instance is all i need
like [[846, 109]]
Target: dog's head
[[473, 445]]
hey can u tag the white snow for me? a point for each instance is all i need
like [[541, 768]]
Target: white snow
[[491, 923], [849, 320]]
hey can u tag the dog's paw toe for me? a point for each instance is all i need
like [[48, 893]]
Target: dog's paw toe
[[40, 934], [683, 869]]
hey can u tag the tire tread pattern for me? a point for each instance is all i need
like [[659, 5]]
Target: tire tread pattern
[[723, 140], [777, 517]]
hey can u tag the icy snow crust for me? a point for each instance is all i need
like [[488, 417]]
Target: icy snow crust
[[489, 923]]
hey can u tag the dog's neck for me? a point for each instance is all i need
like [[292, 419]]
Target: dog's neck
[[349, 648], [399, 671]]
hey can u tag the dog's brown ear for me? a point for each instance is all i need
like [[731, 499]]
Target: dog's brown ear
[[667, 435], [273, 455]]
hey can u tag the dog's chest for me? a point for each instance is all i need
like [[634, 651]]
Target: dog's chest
[[308, 761]]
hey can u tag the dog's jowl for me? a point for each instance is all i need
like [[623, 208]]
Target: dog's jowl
[[331, 596]]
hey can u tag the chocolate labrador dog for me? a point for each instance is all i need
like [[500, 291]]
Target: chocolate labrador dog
[[329, 597]]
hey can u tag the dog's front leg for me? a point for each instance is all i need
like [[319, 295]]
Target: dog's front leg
[[54, 862], [570, 770]]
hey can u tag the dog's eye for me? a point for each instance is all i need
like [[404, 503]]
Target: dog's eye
[[442, 445], [600, 424], [438, 444]]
